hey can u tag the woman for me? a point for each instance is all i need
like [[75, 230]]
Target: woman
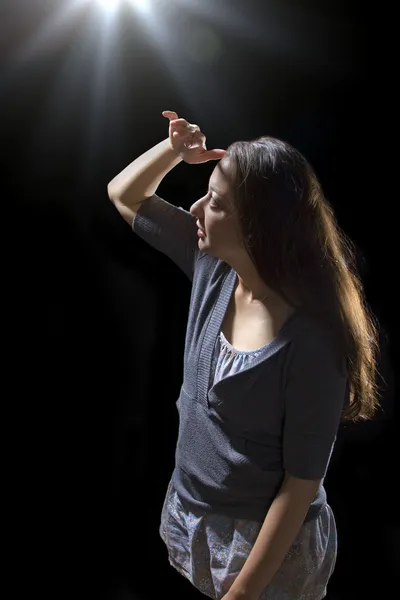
[[280, 346]]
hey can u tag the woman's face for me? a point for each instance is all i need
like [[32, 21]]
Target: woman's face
[[216, 217]]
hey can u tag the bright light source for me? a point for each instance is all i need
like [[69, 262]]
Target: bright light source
[[111, 5], [140, 4], [108, 4]]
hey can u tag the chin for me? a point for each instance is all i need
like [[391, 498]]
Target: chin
[[203, 245]]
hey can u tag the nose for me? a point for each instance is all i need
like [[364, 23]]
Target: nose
[[194, 209]]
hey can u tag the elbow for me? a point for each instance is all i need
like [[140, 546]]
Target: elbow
[[111, 192], [115, 195], [120, 196]]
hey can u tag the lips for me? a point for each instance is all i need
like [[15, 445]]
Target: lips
[[201, 229]]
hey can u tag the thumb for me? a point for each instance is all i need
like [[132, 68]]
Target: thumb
[[214, 154]]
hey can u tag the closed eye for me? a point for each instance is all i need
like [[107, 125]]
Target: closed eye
[[213, 203]]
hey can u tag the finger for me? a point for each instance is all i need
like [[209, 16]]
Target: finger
[[180, 123], [169, 114], [216, 154], [199, 136]]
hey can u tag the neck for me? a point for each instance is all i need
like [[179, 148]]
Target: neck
[[250, 287], [253, 291]]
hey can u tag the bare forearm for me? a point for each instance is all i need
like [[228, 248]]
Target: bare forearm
[[279, 531], [142, 177]]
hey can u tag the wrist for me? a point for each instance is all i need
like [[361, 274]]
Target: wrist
[[174, 153], [242, 590], [240, 593]]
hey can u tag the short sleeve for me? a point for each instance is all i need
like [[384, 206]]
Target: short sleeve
[[169, 229], [315, 395]]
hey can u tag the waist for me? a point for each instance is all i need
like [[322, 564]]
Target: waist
[[199, 497]]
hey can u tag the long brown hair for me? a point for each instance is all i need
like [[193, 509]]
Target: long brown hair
[[292, 236]]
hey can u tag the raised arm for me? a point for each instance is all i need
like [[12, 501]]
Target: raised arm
[[140, 179]]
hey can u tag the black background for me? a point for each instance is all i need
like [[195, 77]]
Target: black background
[[97, 319]]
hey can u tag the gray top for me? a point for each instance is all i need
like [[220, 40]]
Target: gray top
[[280, 412]]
